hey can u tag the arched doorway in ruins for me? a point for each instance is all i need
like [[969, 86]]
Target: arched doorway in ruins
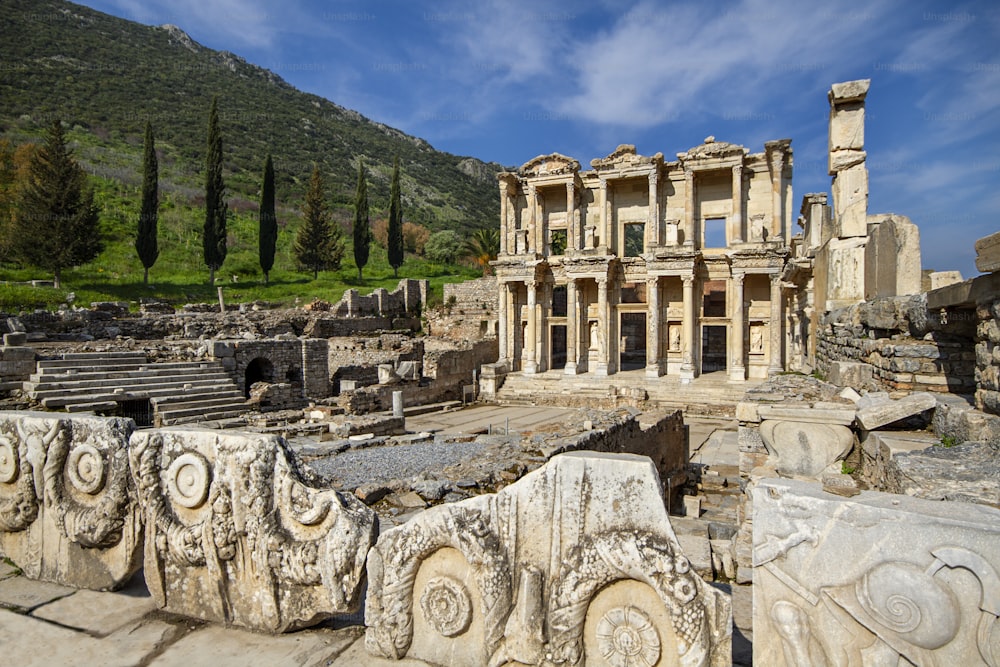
[[259, 369]]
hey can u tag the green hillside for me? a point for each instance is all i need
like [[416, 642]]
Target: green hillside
[[105, 76]]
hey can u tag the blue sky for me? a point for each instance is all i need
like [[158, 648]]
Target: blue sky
[[506, 80]]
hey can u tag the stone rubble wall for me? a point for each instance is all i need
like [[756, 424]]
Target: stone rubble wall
[[988, 357], [469, 311], [908, 347], [408, 298], [17, 362]]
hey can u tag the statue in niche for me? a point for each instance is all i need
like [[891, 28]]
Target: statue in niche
[[590, 234], [595, 337], [675, 337], [756, 339]]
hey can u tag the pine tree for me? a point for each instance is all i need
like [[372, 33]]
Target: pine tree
[[267, 231], [145, 241], [362, 226], [56, 221], [216, 209], [395, 245], [319, 244]]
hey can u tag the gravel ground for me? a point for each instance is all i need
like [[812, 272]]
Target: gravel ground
[[355, 467]]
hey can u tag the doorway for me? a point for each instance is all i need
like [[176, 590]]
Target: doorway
[[713, 348], [258, 370], [557, 355], [633, 341]]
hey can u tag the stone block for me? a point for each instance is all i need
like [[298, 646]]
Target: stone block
[[848, 91], [805, 448], [850, 200], [875, 414], [875, 579], [746, 411], [988, 253], [692, 506], [806, 412], [15, 339], [459, 584], [234, 536], [850, 374], [941, 279], [67, 510], [892, 257], [842, 263]]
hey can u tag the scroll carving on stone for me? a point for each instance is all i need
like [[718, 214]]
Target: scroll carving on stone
[[884, 579], [234, 536], [601, 574], [66, 501]]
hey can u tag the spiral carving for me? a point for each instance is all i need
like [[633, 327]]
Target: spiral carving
[[85, 469], [188, 480], [9, 467], [907, 600], [446, 606]]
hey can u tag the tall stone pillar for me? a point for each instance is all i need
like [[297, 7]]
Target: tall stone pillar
[[737, 371], [533, 244], [653, 218], [736, 220], [687, 334], [603, 327], [531, 333], [605, 215], [503, 303], [776, 157], [654, 368], [543, 352], [847, 157], [690, 231], [572, 233], [504, 206], [774, 365], [572, 327]]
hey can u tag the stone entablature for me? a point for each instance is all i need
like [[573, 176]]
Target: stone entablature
[[674, 267]]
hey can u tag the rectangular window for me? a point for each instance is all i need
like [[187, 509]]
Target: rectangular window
[[715, 233], [635, 239], [559, 301], [557, 242]]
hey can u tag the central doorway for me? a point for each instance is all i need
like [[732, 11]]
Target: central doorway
[[633, 341], [558, 346], [713, 348]]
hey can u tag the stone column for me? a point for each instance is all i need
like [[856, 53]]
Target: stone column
[[736, 221], [502, 314], [531, 334], [543, 352], [776, 156], [603, 328], [504, 204], [689, 224], [533, 244], [572, 327], [572, 240], [774, 365], [605, 214], [737, 371], [653, 366], [687, 334], [653, 219]]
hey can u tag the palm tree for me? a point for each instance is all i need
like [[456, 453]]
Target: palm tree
[[483, 247]]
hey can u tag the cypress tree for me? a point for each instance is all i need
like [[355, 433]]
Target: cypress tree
[[362, 227], [145, 241], [318, 245], [216, 209], [55, 224], [395, 243], [267, 232]]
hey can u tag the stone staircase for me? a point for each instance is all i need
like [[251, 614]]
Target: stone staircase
[[125, 383], [710, 395]]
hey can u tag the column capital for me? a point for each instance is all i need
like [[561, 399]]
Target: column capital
[[775, 280], [602, 281], [651, 282], [654, 176], [738, 278], [687, 280], [531, 189], [737, 169], [604, 183], [570, 187], [689, 175]]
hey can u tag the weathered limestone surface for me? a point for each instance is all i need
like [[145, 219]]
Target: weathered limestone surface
[[988, 253], [850, 374], [576, 559], [805, 448], [234, 536], [876, 412], [969, 472], [879, 579], [66, 502], [892, 256]]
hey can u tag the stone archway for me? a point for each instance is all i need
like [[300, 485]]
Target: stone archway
[[259, 369]]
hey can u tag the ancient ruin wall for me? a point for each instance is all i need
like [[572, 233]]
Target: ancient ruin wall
[[469, 311], [988, 357]]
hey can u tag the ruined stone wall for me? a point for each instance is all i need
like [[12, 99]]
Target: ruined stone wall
[[407, 299], [335, 327], [17, 362], [274, 361], [357, 358], [988, 357], [456, 365], [469, 311], [909, 347]]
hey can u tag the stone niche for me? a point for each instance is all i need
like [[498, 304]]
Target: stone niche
[[576, 563], [879, 579], [234, 536], [66, 499]]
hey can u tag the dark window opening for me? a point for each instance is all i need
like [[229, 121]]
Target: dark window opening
[[258, 370], [557, 242], [633, 293], [633, 341], [713, 349], [714, 298], [635, 241], [559, 301], [139, 410], [558, 355]]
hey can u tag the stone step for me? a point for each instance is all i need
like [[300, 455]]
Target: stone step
[[194, 379], [120, 354], [139, 370], [93, 406], [93, 362], [174, 386], [211, 415], [189, 407], [63, 399]]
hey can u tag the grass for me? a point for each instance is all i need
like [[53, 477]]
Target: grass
[[949, 441], [846, 469]]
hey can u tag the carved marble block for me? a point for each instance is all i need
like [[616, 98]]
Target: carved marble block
[[234, 536], [67, 513], [576, 563], [880, 579]]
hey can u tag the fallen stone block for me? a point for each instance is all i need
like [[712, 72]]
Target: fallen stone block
[[850, 374], [805, 448], [235, 537], [67, 510], [875, 414], [988, 253], [573, 561], [876, 579]]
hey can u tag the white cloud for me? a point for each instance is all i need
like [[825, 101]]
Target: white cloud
[[248, 23]]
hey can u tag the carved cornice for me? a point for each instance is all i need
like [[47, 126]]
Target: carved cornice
[[625, 156], [550, 165]]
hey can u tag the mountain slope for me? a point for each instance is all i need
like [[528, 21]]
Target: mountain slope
[[106, 76]]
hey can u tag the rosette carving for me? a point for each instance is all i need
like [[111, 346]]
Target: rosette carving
[[627, 638], [446, 606], [18, 500], [188, 480]]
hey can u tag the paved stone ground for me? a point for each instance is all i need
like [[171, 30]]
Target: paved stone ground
[[44, 624]]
